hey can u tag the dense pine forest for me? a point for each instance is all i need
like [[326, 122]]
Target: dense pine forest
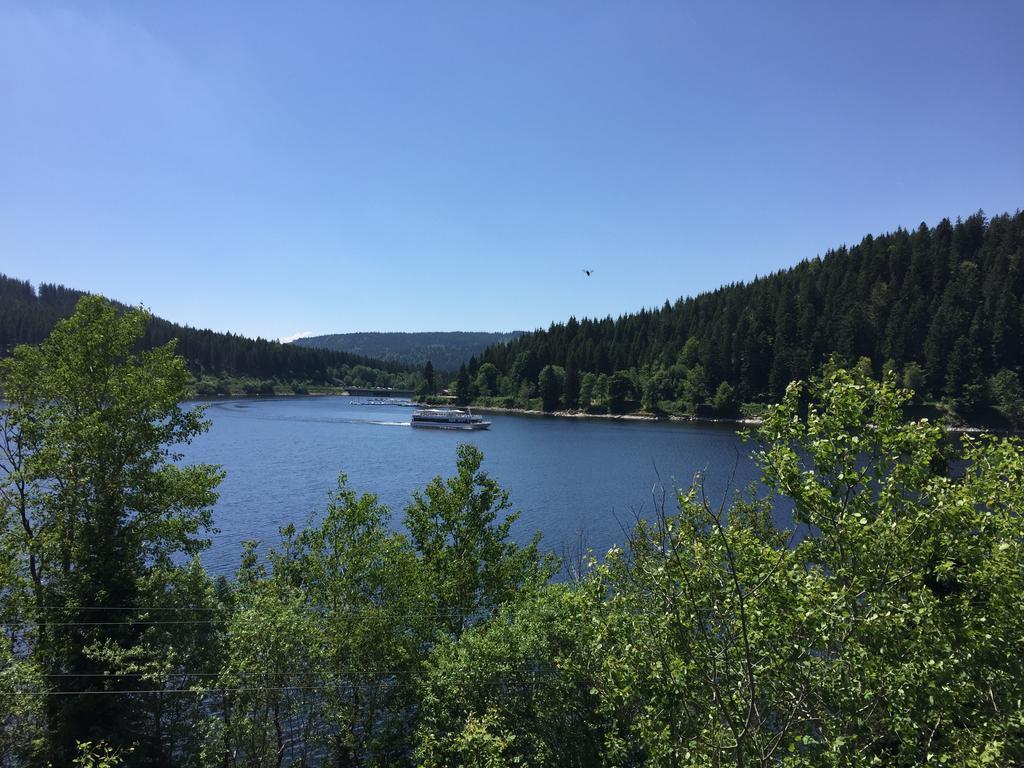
[[889, 634], [941, 306], [445, 350], [219, 362]]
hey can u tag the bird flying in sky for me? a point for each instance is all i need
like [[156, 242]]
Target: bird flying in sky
[[588, 272]]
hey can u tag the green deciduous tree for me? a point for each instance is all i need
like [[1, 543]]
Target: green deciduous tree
[[913, 379], [96, 509], [525, 367], [357, 573], [323, 650], [518, 690], [460, 530], [601, 390], [22, 724], [657, 387], [917, 570], [551, 383], [487, 380], [695, 390], [880, 627], [1007, 395], [587, 386], [724, 401], [272, 659]]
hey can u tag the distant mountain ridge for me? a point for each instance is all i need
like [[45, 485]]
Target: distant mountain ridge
[[446, 350]]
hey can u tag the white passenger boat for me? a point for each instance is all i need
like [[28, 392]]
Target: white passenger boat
[[448, 418]]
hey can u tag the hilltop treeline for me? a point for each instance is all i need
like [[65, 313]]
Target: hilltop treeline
[[890, 634], [942, 306], [28, 315], [445, 350]]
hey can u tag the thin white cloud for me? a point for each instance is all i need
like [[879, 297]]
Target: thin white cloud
[[294, 336]]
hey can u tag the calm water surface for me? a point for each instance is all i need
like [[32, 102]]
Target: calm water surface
[[566, 476]]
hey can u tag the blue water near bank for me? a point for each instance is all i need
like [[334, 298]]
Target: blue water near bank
[[567, 476]]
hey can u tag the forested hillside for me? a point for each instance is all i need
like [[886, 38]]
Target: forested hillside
[[941, 306], [27, 316], [446, 350]]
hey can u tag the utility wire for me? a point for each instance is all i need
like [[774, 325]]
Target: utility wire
[[336, 671], [398, 684], [332, 609], [125, 608], [44, 623], [377, 612], [118, 675], [139, 609]]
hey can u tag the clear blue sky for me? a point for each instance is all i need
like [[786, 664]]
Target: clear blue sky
[[273, 168]]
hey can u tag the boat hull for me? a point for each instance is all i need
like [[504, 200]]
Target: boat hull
[[450, 425]]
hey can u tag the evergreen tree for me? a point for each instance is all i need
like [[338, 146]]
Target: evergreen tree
[[963, 378], [428, 377], [620, 389], [462, 387]]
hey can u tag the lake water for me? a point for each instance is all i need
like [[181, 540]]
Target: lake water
[[566, 476]]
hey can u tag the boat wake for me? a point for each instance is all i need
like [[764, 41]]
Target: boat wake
[[247, 411]]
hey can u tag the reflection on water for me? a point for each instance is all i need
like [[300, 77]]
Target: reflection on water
[[566, 476]]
